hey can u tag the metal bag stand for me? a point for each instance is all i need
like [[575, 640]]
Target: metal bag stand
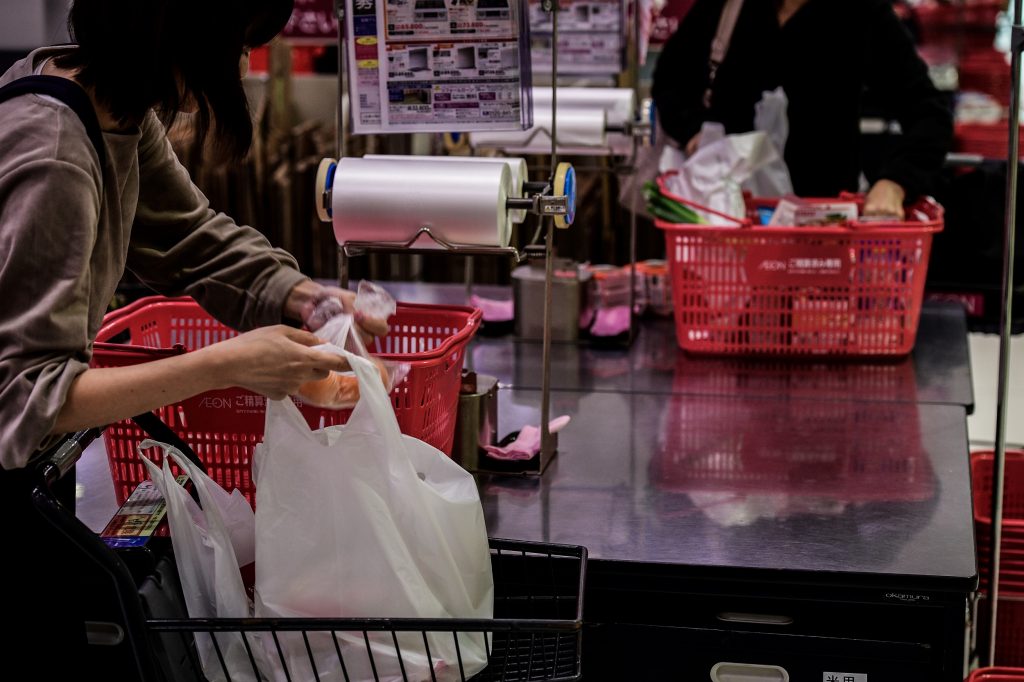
[[1006, 321], [554, 201]]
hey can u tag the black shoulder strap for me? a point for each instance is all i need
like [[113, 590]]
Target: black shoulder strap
[[158, 430], [68, 92]]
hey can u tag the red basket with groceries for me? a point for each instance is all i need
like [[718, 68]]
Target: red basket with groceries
[[224, 427], [841, 290]]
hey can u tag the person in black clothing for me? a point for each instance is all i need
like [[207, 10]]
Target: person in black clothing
[[826, 55]]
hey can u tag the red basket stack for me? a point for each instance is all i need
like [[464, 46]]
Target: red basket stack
[[742, 289], [959, 25], [997, 675], [224, 427], [1010, 644], [986, 71], [990, 140]]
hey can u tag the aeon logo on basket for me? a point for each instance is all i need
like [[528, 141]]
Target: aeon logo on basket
[[772, 266], [211, 403]]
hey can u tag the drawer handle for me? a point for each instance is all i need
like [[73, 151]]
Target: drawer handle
[[103, 634], [746, 672], [754, 618]]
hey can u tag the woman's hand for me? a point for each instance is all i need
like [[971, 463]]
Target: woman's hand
[[304, 298], [885, 198], [692, 145], [271, 361]]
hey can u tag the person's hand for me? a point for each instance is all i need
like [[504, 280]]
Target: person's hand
[[692, 145], [307, 295], [885, 198], [271, 361]]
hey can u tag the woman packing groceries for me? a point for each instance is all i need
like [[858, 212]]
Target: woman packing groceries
[[89, 187], [829, 56]]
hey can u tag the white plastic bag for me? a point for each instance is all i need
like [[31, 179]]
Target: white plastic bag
[[725, 165], [771, 118], [362, 521], [211, 544]]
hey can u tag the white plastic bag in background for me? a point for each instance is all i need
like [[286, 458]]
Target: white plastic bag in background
[[361, 521], [724, 165], [211, 545], [716, 173], [770, 117]]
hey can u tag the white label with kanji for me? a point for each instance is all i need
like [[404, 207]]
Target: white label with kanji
[[844, 677]]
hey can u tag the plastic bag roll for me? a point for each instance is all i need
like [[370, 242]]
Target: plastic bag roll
[[576, 128], [516, 166], [388, 201], [619, 104]]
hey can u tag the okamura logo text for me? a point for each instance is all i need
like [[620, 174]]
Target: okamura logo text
[[772, 265], [907, 597]]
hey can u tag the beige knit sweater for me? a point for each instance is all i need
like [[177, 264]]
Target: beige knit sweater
[[68, 230]]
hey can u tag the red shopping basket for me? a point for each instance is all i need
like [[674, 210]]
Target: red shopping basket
[[990, 140], [961, 25], [997, 675], [982, 464], [743, 289], [987, 70], [223, 427], [1009, 637]]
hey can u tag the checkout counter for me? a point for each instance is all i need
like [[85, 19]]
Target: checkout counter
[[800, 517]]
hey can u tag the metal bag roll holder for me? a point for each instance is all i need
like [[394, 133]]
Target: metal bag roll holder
[[555, 199]]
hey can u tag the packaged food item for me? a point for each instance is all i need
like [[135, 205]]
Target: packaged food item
[[656, 286], [795, 212], [340, 390]]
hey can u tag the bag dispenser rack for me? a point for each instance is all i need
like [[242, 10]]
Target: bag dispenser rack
[[554, 199], [1005, 326]]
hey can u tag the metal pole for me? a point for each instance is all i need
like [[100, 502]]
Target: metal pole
[[339, 123], [547, 446], [1006, 324], [634, 76]]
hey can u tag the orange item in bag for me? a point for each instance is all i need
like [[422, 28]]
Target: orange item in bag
[[338, 390]]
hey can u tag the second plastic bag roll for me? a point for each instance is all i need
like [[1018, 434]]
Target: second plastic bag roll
[[576, 128], [388, 200]]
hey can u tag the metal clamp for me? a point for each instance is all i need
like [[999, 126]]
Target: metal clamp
[[551, 205]]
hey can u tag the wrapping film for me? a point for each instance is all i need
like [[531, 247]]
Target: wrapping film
[[516, 166], [389, 200], [583, 128], [619, 104]]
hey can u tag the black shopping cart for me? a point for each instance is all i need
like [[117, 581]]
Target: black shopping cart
[[142, 630]]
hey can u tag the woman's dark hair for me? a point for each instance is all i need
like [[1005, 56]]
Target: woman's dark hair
[[138, 55]]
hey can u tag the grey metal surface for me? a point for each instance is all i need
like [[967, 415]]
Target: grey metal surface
[[834, 490]]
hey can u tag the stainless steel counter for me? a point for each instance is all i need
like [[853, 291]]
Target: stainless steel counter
[[833, 491]]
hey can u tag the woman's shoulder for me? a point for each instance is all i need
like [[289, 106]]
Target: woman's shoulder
[[39, 128]]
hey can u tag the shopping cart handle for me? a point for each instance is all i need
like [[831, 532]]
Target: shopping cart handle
[[61, 458]]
